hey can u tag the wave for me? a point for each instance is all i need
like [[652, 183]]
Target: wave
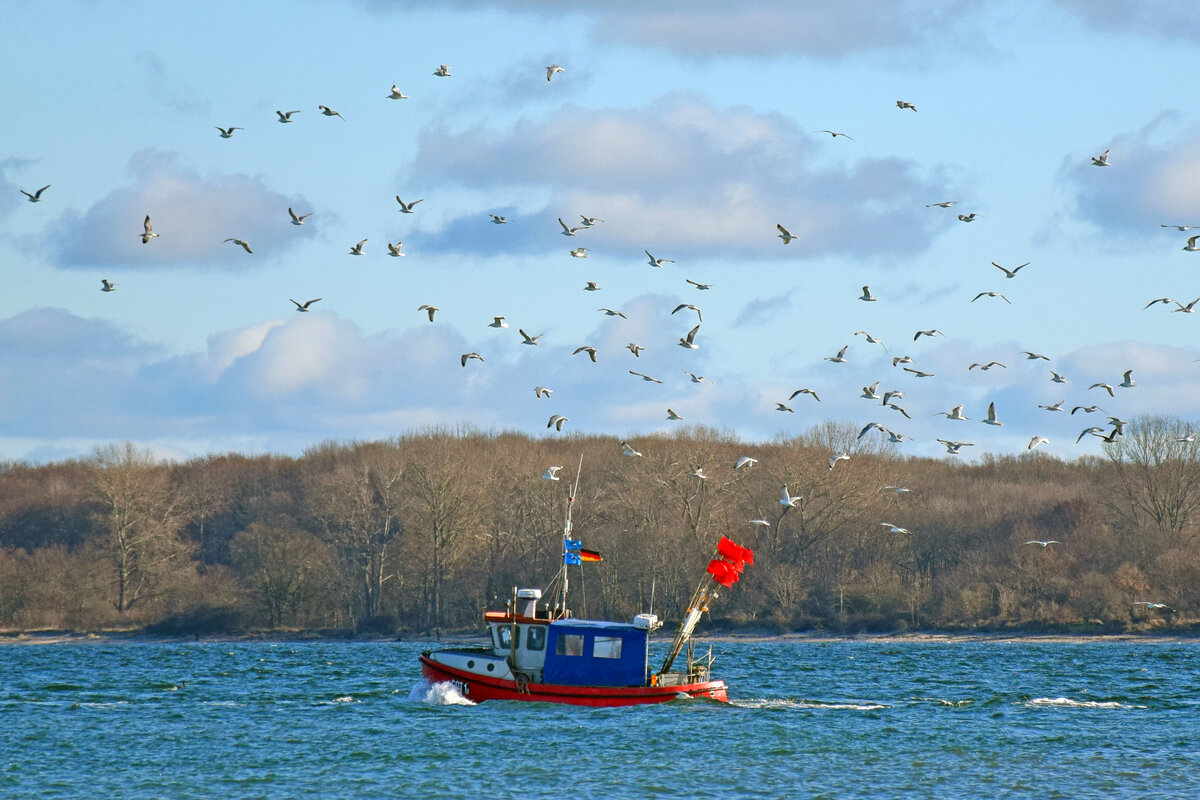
[[1066, 702], [807, 704], [437, 694]]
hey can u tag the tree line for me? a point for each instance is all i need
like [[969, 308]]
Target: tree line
[[421, 533]]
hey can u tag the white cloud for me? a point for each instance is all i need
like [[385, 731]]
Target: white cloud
[[685, 176], [192, 215]]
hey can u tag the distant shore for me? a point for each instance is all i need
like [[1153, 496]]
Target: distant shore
[[1188, 636]]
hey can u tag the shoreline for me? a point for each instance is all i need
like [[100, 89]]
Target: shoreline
[[811, 637]]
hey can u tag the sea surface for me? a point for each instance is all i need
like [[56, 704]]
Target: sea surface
[[808, 719]]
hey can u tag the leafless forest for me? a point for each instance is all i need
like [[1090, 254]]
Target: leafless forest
[[419, 534]]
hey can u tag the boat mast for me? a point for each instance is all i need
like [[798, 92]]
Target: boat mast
[[563, 583], [704, 594]]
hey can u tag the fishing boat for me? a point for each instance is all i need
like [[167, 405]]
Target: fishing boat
[[538, 651]]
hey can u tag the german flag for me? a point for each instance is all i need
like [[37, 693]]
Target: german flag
[[589, 555]]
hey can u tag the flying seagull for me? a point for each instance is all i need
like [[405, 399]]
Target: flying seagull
[[407, 208], [991, 294], [895, 528], [968, 217], [542, 391], [286, 116], [903, 104], [700, 286], [635, 348], [627, 450], [329, 112], [567, 230], [953, 448], [1191, 245], [991, 416], [954, 413], [497, 322], [533, 340], [556, 421], [784, 234], [550, 70], [551, 473], [804, 391], [591, 351], [681, 306], [645, 377], [443, 71], [836, 457], [943, 204], [689, 341], [866, 296], [298, 219], [1010, 273], [658, 262], [465, 357], [242, 243], [608, 312], [430, 310], [836, 134], [840, 358], [932, 332], [671, 415], [745, 461], [1155, 606], [498, 220], [579, 252], [107, 286], [394, 250], [695, 378], [1044, 542], [784, 407], [788, 500], [227, 133], [357, 250], [396, 94], [1035, 441], [589, 221], [1100, 160], [304, 306], [591, 286], [36, 196], [147, 230]]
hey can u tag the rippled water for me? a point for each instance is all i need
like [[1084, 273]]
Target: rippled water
[[847, 719]]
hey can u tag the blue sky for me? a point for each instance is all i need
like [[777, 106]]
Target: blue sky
[[690, 128]]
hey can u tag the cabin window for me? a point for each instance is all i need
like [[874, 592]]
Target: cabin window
[[503, 637], [535, 639], [569, 644], [607, 647]]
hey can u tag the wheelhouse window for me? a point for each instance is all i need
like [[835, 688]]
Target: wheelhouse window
[[569, 644], [503, 636], [535, 639], [607, 647]]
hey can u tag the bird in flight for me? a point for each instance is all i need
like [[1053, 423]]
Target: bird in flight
[[1179, 227], [786, 500], [1035, 441], [579, 252], [836, 134], [987, 366], [1191, 245], [943, 204], [968, 217], [394, 250], [645, 377], [695, 378], [498, 220], [589, 221], [531, 340], [147, 230], [895, 528], [701, 286], [407, 208], [1155, 606], [836, 457], [608, 312], [465, 357], [551, 473], [990, 419], [227, 133], [242, 243], [804, 391], [1127, 381], [1105, 386], [286, 116], [784, 234], [443, 71], [784, 407], [954, 413], [591, 351], [1044, 542], [550, 70], [681, 306], [357, 250], [1100, 160], [1054, 406], [396, 94], [329, 112], [430, 310], [953, 448], [591, 286], [658, 262], [298, 219], [36, 197], [305, 306], [918, 372], [1032, 356], [903, 104], [635, 348], [556, 421], [567, 230], [497, 322], [745, 461], [866, 295], [840, 358], [671, 415], [931, 332], [542, 391], [1057, 378], [991, 294], [698, 472], [627, 450], [689, 341], [107, 286], [1010, 273]]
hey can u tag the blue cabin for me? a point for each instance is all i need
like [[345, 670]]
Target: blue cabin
[[582, 652]]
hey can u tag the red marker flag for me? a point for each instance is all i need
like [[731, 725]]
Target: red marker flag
[[723, 572], [735, 552]]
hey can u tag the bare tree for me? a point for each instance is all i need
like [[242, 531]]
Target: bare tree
[[283, 566], [141, 516], [1157, 471]]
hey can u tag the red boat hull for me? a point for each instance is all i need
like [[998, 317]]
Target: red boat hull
[[479, 688]]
